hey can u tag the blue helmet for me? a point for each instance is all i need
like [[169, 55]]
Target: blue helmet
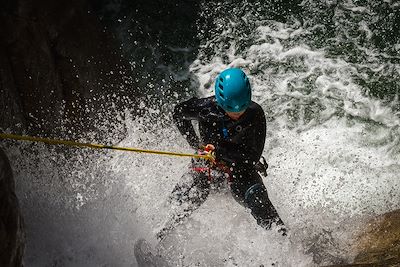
[[232, 90]]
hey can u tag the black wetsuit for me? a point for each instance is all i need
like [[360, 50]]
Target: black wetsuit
[[239, 144]]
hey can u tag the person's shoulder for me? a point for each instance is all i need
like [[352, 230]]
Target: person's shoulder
[[208, 100], [196, 103], [256, 111], [255, 107], [204, 102], [195, 99]]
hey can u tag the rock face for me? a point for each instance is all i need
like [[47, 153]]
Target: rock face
[[64, 73], [161, 40], [72, 66], [378, 245], [58, 66], [12, 236], [380, 242]]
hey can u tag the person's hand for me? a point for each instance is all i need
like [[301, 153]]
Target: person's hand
[[208, 151], [209, 148]]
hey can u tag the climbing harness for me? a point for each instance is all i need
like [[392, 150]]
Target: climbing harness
[[207, 156], [217, 167], [213, 165]]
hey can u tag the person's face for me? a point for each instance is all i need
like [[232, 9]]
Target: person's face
[[235, 115]]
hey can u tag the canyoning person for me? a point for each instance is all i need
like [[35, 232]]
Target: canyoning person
[[232, 129]]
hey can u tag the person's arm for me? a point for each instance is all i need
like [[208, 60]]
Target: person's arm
[[183, 115]]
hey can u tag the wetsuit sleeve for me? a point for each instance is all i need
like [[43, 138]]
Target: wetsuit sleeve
[[183, 115], [250, 150]]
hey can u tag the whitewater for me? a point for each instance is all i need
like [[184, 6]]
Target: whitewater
[[333, 152]]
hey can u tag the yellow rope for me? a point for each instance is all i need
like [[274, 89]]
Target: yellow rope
[[99, 146]]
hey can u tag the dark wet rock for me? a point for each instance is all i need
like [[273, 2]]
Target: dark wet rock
[[12, 235], [72, 66], [378, 244], [380, 241], [60, 69], [161, 40]]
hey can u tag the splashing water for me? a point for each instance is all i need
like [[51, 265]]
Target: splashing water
[[329, 90]]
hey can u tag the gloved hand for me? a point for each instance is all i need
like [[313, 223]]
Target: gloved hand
[[209, 148], [208, 151]]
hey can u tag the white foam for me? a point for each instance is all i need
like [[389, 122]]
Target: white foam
[[333, 155], [330, 147]]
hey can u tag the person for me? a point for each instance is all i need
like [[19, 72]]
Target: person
[[233, 128]]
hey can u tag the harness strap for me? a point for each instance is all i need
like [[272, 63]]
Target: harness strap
[[219, 166]]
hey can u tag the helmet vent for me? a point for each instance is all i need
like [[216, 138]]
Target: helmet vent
[[220, 86], [222, 80], [221, 95]]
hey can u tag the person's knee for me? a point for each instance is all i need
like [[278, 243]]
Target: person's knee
[[255, 196]]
